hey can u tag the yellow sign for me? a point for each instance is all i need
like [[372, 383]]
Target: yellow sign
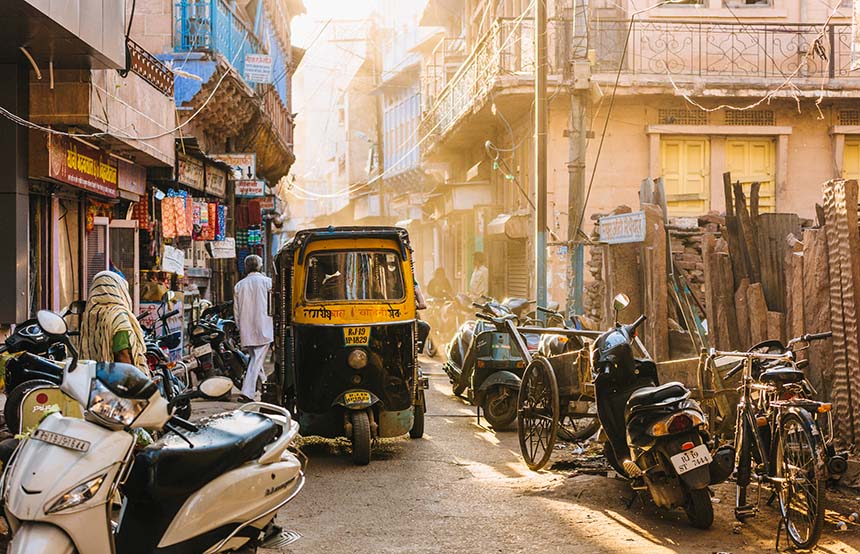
[[356, 336]]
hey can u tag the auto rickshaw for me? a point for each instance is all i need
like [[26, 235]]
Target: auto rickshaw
[[346, 335]]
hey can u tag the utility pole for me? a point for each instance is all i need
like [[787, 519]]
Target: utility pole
[[540, 152], [576, 198], [374, 43]]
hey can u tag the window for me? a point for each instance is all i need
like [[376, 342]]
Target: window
[[753, 161], [686, 171], [851, 158], [354, 275], [747, 3]]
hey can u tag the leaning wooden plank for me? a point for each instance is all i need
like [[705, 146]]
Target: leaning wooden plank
[[748, 234], [757, 307], [657, 309], [711, 296], [727, 302], [840, 277], [754, 199], [743, 315], [732, 235], [776, 326], [646, 191], [772, 231], [853, 257], [816, 310], [794, 291]]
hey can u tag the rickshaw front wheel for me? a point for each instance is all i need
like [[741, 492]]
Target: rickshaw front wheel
[[360, 438]]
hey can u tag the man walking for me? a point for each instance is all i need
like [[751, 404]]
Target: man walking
[[479, 284], [250, 308]]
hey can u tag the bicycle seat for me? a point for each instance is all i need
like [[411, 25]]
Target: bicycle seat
[[781, 376], [170, 468], [648, 396]]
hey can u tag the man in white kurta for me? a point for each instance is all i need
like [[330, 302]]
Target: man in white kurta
[[250, 308]]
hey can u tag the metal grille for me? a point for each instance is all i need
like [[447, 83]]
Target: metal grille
[[682, 116], [849, 117], [750, 117], [96, 252], [518, 269]]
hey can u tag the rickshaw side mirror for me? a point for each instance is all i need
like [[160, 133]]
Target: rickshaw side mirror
[[270, 308]]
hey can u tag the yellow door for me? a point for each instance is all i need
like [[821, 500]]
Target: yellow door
[[686, 172], [851, 159], [750, 161]]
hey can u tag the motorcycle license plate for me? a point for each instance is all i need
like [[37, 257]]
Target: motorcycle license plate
[[356, 397], [691, 459], [61, 440], [201, 350], [356, 336]]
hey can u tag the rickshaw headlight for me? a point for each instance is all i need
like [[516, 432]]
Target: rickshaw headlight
[[357, 359]]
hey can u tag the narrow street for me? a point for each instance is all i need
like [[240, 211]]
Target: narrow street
[[465, 489]]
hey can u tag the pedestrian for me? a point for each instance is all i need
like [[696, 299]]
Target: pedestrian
[[110, 331], [480, 282], [250, 308], [439, 286]]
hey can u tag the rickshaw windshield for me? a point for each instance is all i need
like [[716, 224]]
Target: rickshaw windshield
[[354, 276]]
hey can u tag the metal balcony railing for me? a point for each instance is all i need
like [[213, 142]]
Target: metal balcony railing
[[731, 49], [213, 26], [506, 49]]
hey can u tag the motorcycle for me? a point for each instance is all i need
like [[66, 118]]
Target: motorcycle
[[213, 352], [482, 363], [657, 435], [215, 486]]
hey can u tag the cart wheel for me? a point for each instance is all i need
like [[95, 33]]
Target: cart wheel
[[417, 430], [538, 413], [360, 438]]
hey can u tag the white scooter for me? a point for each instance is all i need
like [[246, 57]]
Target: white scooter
[[207, 489]]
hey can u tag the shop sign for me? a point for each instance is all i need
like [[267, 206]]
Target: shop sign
[[173, 260], [189, 172], [244, 165], [258, 68], [250, 189], [622, 228], [221, 249], [268, 202], [132, 178], [216, 181], [77, 164]]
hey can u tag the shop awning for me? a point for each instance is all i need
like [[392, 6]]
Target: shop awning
[[513, 226]]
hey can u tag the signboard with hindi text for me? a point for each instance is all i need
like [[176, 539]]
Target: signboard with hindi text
[[189, 172], [258, 68], [244, 165], [216, 181], [621, 228], [250, 189], [80, 165], [222, 249]]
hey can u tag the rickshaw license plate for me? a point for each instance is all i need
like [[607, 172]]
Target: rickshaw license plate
[[691, 459], [356, 336], [356, 397], [61, 440]]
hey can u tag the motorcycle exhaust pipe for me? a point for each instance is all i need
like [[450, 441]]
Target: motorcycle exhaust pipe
[[837, 465], [723, 464]]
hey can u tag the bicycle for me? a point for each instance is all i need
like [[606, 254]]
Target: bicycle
[[779, 439]]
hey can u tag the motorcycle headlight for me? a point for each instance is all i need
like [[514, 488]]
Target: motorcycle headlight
[[77, 494], [112, 409]]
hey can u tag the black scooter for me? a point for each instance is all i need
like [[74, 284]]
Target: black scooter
[[213, 350], [657, 435], [483, 363]]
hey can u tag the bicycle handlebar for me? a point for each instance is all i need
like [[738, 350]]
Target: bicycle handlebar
[[816, 336], [169, 314], [638, 322]]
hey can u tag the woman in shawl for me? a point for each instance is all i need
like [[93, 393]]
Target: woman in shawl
[[110, 332]]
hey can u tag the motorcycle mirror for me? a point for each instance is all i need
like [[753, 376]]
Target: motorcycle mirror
[[51, 323], [215, 387], [621, 301], [75, 308]]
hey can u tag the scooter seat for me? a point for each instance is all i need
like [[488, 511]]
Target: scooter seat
[[517, 306], [647, 396], [170, 468], [782, 376]]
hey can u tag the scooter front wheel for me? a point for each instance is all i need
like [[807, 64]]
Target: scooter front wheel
[[360, 438], [538, 413]]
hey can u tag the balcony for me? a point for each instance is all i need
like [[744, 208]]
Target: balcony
[[501, 65], [212, 37], [729, 54]]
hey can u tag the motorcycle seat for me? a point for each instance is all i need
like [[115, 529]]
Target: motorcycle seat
[[782, 376], [170, 468], [516, 305], [648, 396], [170, 341]]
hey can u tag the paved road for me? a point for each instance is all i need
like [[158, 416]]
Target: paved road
[[465, 489]]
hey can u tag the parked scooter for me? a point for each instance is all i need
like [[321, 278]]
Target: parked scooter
[[657, 435], [213, 352], [211, 487], [483, 363]]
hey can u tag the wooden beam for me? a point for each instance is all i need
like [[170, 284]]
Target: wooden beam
[[757, 307], [816, 310], [743, 315]]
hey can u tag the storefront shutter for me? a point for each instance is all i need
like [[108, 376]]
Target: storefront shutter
[[518, 268], [97, 250], [124, 254]]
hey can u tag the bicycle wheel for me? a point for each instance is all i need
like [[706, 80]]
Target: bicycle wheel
[[538, 413], [799, 465]]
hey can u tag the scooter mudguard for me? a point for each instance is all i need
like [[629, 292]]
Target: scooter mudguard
[[41, 537], [356, 399], [500, 378]]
